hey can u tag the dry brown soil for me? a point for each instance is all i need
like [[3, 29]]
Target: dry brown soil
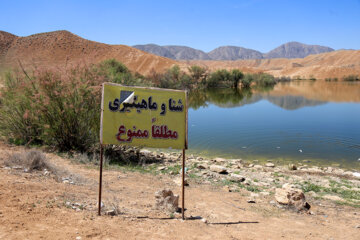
[[32, 206]]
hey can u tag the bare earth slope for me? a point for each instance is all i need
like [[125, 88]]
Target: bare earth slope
[[321, 66], [62, 47]]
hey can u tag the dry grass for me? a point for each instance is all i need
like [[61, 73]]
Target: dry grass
[[31, 160], [35, 160]]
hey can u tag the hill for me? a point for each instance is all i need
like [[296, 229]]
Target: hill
[[62, 47]]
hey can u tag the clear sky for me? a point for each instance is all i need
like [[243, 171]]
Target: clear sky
[[257, 24]]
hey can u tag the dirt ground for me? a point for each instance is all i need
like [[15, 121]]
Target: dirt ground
[[35, 206]]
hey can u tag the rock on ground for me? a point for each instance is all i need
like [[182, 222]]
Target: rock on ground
[[178, 181], [236, 178], [218, 169], [270, 165], [166, 200], [291, 197]]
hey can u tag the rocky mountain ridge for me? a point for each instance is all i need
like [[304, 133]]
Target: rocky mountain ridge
[[287, 50]]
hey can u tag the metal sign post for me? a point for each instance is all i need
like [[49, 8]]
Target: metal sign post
[[100, 180], [183, 186]]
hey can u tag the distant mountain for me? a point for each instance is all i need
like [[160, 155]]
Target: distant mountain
[[155, 49], [234, 53], [296, 50], [187, 53], [287, 50], [174, 52]]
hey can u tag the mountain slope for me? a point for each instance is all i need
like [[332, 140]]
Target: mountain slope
[[60, 48], [296, 50], [234, 53], [155, 49], [187, 53], [5, 41], [174, 52]]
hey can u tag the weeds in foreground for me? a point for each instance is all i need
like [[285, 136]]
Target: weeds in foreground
[[32, 160], [351, 197]]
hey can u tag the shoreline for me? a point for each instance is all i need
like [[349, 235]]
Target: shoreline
[[261, 160], [259, 178]]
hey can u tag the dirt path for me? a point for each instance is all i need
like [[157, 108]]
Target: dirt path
[[34, 206]]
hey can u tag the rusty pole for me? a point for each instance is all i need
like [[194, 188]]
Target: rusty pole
[[100, 178], [183, 186]]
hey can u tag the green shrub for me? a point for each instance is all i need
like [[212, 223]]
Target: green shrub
[[283, 79], [116, 72], [18, 121], [198, 74], [219, 78], [236, 77], [312, 78], [351, 78], [260, 79], [247, 80], [56, 108], [331, 79]]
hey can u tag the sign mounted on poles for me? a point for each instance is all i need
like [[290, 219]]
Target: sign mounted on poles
[[144, 117]]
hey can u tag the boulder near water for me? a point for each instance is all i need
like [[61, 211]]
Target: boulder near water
[[288, 195], [218, 169]]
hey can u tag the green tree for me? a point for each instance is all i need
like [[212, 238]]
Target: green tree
[[236, 76], [220, 78], [198, 74], [247, 80], [115, 71]]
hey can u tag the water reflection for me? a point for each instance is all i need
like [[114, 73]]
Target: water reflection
[[320, 118], [220, 97], [290, 96]]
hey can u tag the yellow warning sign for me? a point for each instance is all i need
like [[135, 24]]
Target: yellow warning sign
[[144, 117]]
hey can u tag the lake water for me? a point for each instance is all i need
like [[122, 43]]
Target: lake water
[[316, 121]]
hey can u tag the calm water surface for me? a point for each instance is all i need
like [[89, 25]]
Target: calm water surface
[[316, 121]]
